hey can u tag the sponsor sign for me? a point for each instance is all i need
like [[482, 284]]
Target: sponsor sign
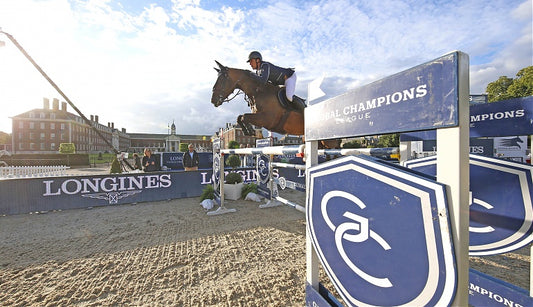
[[501, 209], [484, 147], [485, 290], [421, 98], [511, 148], [381, 233], [73, 192], [503, 118]]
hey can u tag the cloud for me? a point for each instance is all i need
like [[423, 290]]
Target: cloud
[[144, 65]]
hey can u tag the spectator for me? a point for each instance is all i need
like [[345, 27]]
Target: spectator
[[149, 162], [191, 159]]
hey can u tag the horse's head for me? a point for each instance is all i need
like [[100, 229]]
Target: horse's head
[[223, 87]]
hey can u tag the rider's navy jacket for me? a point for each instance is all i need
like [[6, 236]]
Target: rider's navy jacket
[[273, 73]]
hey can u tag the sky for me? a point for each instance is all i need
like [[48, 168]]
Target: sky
[[145, 64]]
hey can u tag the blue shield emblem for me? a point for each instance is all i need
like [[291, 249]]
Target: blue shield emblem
[[381, 233], [501, 209]]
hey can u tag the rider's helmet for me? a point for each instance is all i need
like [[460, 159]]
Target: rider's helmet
[[255, 55]]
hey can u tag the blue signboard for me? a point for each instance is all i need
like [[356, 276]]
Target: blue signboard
[[484, 147], [501, 209], [381, 233], [174, 160], [502, 118], [421, 98], [485, 290], [263, 176]]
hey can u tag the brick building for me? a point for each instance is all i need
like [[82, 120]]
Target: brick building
[[42, 130], [232, 132], [160, 142]]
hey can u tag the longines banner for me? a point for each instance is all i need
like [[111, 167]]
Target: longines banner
[[60, 193]]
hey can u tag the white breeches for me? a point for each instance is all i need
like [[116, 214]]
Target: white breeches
[[290, 86]]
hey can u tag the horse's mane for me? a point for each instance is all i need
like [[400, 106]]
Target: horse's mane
[[254, 78]]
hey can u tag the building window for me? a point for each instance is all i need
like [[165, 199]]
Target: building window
[[21, 146], [20, 135], [32, 125], [52, 146], [62, 126], [21, 125], [32, 146], [52, 136], [52, 126], [52, 116], [42, 146], [42, 126], [32, 135], [42, 115], [32, 115], [42, 136]]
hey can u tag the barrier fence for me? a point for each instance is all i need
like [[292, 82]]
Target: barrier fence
[[32, 171]]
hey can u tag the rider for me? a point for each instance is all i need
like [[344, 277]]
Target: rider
[[276, 75]]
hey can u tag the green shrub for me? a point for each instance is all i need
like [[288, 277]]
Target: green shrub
[[247, 188], [67, 148], [233, 178], [233, 161], [184, 147], [115, 167], [208, 193]]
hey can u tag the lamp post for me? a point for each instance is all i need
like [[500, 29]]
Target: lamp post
[[14, 41]]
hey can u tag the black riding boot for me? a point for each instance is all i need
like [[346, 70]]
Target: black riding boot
[[298, 103]]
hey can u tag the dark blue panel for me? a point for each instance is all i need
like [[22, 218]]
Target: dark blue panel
[[485, 290], [421, 98], [502, 118]]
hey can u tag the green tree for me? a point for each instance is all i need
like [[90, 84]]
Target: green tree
[[352, 144], [233, 145], [523, 84], [389, 140], [184, 147], [5, 138], [507, 88]]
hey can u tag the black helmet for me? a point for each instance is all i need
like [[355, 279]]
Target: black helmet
[[254, 55]]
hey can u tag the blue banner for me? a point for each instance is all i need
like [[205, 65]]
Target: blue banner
[[74, 192], [503, 118], [421, 98]]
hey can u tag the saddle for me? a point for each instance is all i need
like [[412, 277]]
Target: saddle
[[297, 104]]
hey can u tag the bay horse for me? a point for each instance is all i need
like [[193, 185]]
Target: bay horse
[[267, 112], [262, 99]]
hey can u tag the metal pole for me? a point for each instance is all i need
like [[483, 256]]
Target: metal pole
[[14, 41]]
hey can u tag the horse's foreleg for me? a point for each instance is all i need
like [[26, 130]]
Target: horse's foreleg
[[247, 129]]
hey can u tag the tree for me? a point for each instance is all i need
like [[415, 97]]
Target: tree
[[184, 147], [233, 145], [389, 140], [523, 84], [5, 138], [507, 88], [352, 144]]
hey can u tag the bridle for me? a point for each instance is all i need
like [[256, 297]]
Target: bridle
[[224, 73]]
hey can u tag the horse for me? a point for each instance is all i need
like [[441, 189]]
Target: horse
[[267, 112]]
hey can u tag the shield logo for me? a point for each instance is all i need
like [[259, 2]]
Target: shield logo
[[501, 208], [381, 233]]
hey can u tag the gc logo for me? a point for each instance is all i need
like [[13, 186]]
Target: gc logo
[[360, 224]]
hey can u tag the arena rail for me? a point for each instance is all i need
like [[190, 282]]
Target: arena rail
[[32, 171]]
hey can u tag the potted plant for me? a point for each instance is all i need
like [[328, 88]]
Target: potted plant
[[233, 184]]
